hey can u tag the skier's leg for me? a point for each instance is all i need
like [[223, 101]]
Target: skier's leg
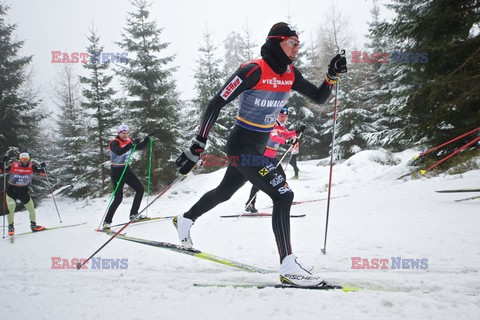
[[231, 182], [271, 181], [31, 210], [293, 162], [115, 174], [11, 204], [132, 180], [253, 192]]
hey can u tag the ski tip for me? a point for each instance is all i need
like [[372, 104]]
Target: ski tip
[[422, 172], [350, 289], [415, 157]]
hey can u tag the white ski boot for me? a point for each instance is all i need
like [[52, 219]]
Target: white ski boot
[[183, 226], [291, 272]]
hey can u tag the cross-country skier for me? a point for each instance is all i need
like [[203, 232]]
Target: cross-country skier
[[293, 159], [263, 86], [279, 135], [119, 151], [21, 176]]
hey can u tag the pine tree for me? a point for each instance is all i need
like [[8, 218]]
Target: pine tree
[[209, 79], [248, 45], [75, 155], [233, 53], [19, 112], [98, 95], [239, 49], [382, 89], [441, 49], [352, 118], [152, 91]]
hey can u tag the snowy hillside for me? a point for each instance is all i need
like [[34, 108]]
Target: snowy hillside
[[372, 216]]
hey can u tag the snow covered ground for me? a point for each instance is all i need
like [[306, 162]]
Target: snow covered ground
[[373, 216]]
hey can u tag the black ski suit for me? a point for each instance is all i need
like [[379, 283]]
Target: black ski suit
[[248, 139], [129, 178]]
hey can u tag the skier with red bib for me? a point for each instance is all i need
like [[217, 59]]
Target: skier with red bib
[[21, 176], [119, 148], [279, 135], [263, 87]]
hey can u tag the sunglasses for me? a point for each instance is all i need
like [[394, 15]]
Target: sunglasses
[[127, 132], [290, 41]]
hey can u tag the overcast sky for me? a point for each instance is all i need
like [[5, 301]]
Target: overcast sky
[[61, 25]]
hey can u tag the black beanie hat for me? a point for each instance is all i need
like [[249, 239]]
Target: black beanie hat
[[282, 29]]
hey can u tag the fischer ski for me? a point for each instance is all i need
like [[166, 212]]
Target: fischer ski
[[259, 215], [143, 220], [195, 253], [307, 201], [322, 286], [48, 229], [459, 190], [469, 198]]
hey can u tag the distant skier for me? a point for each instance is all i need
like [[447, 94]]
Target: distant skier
[[119, 148], [279, 135], [293, 159], [21, 176], [264, 85]]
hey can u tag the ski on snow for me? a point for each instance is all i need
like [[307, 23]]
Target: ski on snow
[[46, 229], [259, 215], [143, 220], [193, 252], [459, 190], [294, 203], [469, 198], [323, 286]]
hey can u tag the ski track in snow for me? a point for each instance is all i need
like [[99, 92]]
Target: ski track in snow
[[380, 218]]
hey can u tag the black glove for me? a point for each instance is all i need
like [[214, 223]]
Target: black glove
[[300, 129], [43, 165], [146, 139], [136, 141], [291, 141], [337, 65], [151, 134], [5, 159], [189, 158]]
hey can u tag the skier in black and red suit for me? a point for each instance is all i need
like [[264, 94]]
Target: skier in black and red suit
[[263, 87], [119, 152]]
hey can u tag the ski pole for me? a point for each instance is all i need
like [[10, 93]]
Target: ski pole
[[446, 143], [51, 192], [4, 197], [255, 195], [116, 187], [149, 171], [450, 155], [324, 250], [79, 265], [291, 152]]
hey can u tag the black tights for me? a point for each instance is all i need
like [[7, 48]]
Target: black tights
[[246, 144], [130, 179]]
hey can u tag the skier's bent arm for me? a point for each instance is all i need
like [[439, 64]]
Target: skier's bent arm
[[318, 94], [246, 77]]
